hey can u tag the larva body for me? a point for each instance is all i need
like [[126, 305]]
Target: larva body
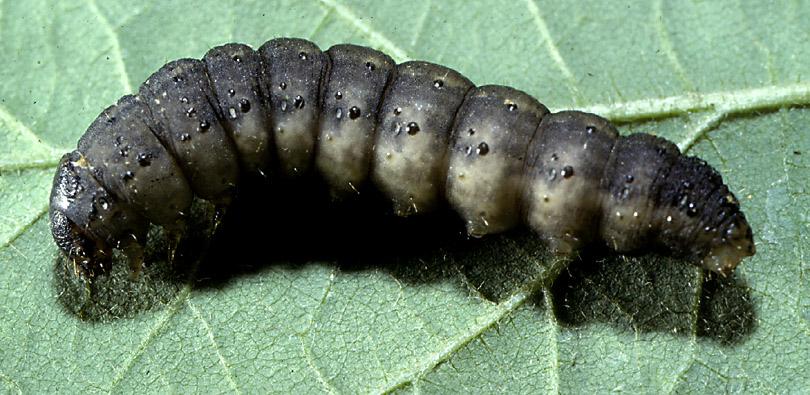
[[420, 133]]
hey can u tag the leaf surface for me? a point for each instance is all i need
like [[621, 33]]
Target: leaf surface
[[345, 308]]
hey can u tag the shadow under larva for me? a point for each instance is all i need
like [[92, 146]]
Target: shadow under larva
[[365, 133], [654, 293]]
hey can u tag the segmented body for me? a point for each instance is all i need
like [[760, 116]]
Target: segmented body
[[421, 133]]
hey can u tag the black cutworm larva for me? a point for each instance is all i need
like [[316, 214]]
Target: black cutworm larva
[[422, 134]]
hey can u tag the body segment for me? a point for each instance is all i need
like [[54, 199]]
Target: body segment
[[487, 155], [294, 71], [416, 119], [354, 89], [127, 158], [236, 75], [181, 102], [563, 198]]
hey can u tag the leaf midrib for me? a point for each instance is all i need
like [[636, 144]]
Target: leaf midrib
[[728, 102]]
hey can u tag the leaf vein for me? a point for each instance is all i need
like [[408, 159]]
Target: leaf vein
[[215, 345], [301, 338], [554, 334], [705, 125], [420, 24], [729, 102], [667, 46], [118, 56], [552, 48], [18, 126], [153, 333], [321, 23], [693, 333], [24, 228], [39, 164], [500, 312], [376, 38], [800, 246], [137, 13], [10, 382]]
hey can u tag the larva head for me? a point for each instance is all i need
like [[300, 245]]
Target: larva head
[[89, 254], [87, 222]]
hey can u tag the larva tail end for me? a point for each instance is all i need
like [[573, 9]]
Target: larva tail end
[[736, 244]]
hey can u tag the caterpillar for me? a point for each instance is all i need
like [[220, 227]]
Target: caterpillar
[[419, 133]]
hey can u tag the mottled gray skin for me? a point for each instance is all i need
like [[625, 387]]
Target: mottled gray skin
[[420, 133], [127, 158], [353, 92], [487, 154], [236, 75], [416, 119], [187, 122], [565, 163], [294, 71]]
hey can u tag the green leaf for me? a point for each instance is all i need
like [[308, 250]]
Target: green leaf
[[384, 305]]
